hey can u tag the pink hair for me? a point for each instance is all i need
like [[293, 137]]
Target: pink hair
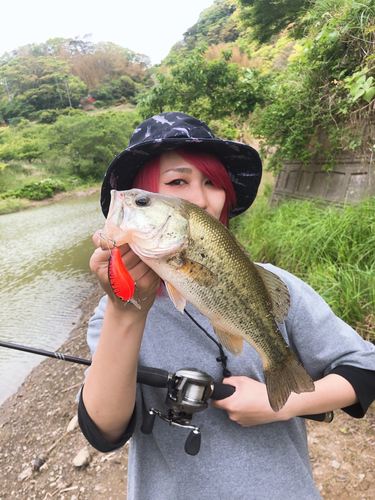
[[209, 164]]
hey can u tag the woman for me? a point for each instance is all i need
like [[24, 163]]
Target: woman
[[248, 451]]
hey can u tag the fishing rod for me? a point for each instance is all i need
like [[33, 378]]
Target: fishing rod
[[188, 392], [154, 377], [48, 354]]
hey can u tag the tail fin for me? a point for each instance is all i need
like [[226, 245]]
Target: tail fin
[[287, 378]]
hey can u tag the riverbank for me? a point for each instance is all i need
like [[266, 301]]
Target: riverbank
[[16, 205], [35, 420], [36, 417]]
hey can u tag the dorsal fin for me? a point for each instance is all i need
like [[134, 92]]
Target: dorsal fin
[[278, 291]]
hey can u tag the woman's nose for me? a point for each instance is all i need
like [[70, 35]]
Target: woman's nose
[[199, 197]]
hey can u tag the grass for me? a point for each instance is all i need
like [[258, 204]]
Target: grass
[[12, 205], [330, 249]]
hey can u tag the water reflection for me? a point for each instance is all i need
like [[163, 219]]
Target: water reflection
[[44, 269]]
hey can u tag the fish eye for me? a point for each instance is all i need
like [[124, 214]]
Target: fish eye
[[142, 201]]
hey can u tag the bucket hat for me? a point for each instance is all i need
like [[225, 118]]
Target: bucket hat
[[172, 130]]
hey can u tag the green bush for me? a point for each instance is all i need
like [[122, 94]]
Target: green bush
[[112, 91], [37, 190], [326, 92], [51, 115], [48, 116]]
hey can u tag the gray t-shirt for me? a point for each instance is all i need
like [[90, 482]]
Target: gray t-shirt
[[262, 462]]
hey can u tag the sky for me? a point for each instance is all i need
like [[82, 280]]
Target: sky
[[149, 27]]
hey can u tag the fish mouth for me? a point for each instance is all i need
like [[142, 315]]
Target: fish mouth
[[113, 234]]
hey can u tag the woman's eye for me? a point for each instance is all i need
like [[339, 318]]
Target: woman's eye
[[176, 182], [210, 183]]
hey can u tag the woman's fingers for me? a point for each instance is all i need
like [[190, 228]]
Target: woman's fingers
[[146, 281], [96, 237]]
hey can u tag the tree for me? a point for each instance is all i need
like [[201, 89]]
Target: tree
[[105, 60], [206, 89], [215, 25], [38, 83], [269, 17], [59, 72], [89, 143], [113, 90]]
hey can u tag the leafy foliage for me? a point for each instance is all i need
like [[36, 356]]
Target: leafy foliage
[[60, 72], [327, 89], [209, 90], [42, 83], [23, 142], [37, 190], [79, 145], [267, 18], [51, 115], [215, 25], [87, 144], [110, 91]]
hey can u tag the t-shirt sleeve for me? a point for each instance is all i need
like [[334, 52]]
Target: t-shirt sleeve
[[363, 382], [93, 436]]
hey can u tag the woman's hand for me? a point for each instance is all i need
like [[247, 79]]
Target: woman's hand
[[147, 282], [249, 404]]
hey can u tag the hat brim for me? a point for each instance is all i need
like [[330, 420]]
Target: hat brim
[[241, 161]]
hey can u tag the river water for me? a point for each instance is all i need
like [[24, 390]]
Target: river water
[[45, 274]]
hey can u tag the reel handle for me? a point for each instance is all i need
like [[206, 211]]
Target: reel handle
[[193, 443], [148, 422]]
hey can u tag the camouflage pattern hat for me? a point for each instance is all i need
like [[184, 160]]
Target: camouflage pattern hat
[[173, 130]]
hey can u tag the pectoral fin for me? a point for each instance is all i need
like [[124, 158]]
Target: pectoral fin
[[232, 343], [175, 296], [198, 273]]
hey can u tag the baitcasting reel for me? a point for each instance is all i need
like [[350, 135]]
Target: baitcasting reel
[[188, 392]]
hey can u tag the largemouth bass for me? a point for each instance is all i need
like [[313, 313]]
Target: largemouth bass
[[200, 261]]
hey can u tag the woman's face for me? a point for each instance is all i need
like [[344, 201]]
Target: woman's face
[[180, 178]]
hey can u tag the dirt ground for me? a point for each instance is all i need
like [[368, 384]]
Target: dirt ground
[[34, 422]]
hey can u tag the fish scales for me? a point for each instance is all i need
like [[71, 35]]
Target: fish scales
[[201, 262], [238, 310]]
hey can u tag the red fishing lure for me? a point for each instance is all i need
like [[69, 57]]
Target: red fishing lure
[[120, 280]]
